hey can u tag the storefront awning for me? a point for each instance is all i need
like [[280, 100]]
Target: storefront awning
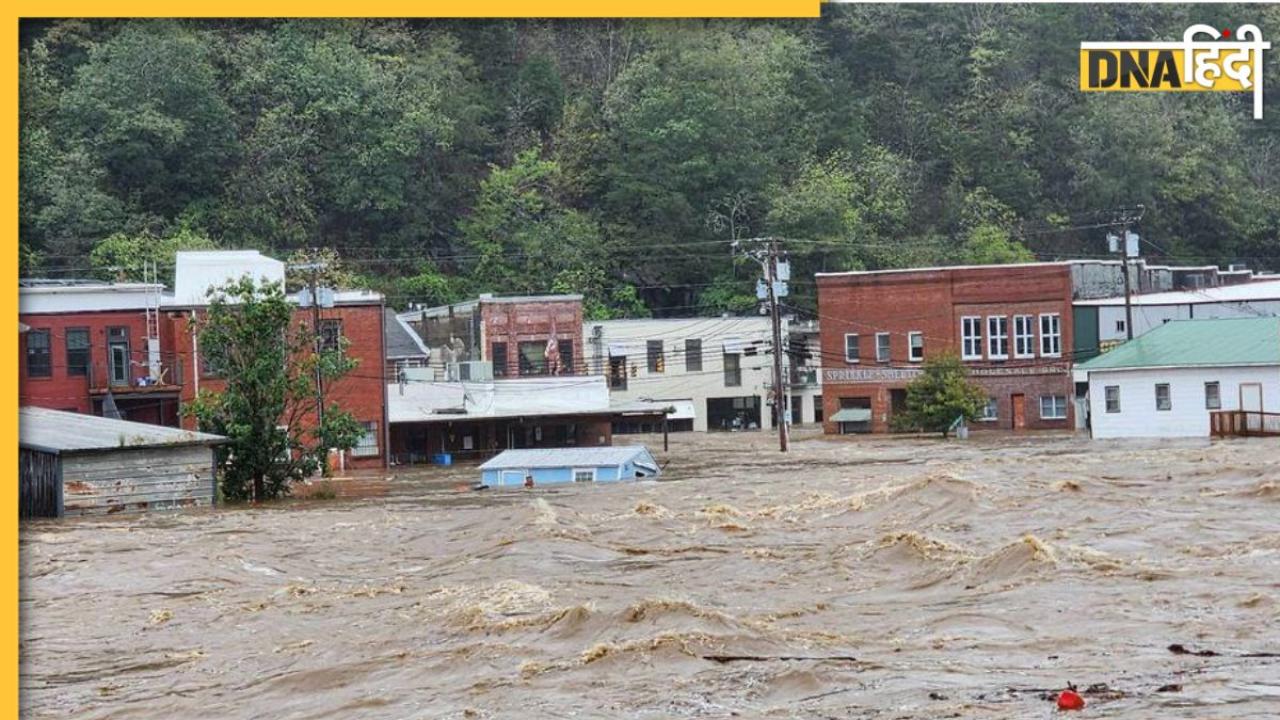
[[852, 415]]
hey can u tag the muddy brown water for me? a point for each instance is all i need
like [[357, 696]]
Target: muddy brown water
[[861, 577]]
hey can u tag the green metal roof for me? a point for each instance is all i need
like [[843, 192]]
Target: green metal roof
[[1178, 343]]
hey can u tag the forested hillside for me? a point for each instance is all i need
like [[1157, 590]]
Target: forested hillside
[[620, 158]]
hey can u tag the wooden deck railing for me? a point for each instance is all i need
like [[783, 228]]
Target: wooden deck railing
[[1244, 423]]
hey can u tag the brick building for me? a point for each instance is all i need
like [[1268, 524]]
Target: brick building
[[90, 347], [1011, 325], [511, 332]]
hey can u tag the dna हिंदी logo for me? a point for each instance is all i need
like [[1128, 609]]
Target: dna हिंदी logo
[[1217, 64]]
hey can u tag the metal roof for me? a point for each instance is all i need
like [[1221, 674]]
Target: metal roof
[[402, 341], [1244, 292], [570, 457], [56, 431], [1192, 343]]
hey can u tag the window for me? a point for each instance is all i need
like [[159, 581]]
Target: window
[[1050, 335], [78, 351], [533, 357], [566, 356], [851, 348], [618, 372], [915, 346], [1053, 407], [1113, 398], [368, 444], [997, 337], [732, 370], [882, 347], [584, 475], [1212, 396], [499, 358], [656, 362], [1163, 401], [39, 363], [1024, 336], [991, 412], [1119, 326], [208, 367], [330, 335], [971, 338], [693, 355]]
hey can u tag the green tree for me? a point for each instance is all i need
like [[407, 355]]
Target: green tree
[[941, 394], [267, 408], [127, 258]]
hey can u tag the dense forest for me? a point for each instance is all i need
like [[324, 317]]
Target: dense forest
[[621, 158]]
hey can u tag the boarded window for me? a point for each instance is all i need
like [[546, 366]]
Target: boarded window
[[78, 351], [693, 355], [38, 359]]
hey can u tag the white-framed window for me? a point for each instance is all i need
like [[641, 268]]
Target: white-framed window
[[1050, 335], [991, 412], [997, 337], [851, 347], [368, 445], [581, 475], [1024, 336], [1212, 396], [882, 347], [915, 346], [1113, 398], [971, 338], [1163, 400], [1053, 407]]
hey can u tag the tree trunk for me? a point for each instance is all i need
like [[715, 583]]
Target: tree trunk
[[259, 488]]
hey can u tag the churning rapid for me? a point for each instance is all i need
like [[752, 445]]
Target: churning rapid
[[879, 578]]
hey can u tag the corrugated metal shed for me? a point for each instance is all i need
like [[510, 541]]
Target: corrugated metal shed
[[571, 457], [58, 432], [1186, 343]]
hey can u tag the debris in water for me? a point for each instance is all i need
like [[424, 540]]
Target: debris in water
[[159, 617], [1171, 687], [1069, 699]]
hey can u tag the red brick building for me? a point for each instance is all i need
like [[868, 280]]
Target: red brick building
[[88, 344], [512, 332], [1011, 326]]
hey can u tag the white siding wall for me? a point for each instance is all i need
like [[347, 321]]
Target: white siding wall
[[1188, 416], [676, 382], [1148, 317]]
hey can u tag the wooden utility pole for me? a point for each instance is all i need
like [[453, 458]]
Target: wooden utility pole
[[779, 388], [1128, 302]]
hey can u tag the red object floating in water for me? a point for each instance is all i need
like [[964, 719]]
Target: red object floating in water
[[1070, 700]]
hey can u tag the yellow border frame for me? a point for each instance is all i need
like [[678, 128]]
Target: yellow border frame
[[240, 8]]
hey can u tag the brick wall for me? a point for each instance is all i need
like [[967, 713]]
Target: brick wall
[[932, 303], [514, 323]]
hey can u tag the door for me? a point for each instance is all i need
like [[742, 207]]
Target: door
[[118, 355], [1251, 405], [1019, 411]]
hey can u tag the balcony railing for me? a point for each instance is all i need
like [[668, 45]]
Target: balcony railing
[[134, 377], [1244, 423]]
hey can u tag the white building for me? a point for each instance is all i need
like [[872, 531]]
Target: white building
[[717, 372], [1253, 299], [1168, 381]]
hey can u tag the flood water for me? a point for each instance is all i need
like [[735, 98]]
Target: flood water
[[853, 577]]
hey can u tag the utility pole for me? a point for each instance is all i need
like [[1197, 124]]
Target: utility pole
[[1128, 299], [767, 290], [1128, 247], [780, 391], [313, 286]]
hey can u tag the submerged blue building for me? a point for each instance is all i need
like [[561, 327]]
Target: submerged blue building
[[567, 465]]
